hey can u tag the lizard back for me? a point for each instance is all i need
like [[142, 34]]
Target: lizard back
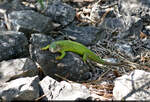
[[68, 45]]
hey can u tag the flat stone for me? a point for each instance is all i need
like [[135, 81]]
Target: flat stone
[[133, 86], [20, 89], [87, 35], [15, 68], [13, 5], [63, 90], [29, 21], [59, 12], [13, 45]]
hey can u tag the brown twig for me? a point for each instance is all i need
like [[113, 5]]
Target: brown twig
[[37, 99], [100, 78], [103, 17], [8, 25]]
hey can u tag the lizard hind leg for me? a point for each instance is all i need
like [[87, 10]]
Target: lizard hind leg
[[84, 57], [61, 56]]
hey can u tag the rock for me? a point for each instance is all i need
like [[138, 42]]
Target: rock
[[112, 24], [13, 45], [133, 86], [63, 90], [125, 48], [29, 21], [137, 8], [146, 30], [37, 42], [58, 11], [2, 26], [121, 27], [12, 69], [31, 1], [71, 66], [146, 43], [111, 27], [20, 89], [13, 5], [86, 35], [112, 60], [132, 10]]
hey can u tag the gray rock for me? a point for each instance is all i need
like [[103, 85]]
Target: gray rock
[[13, 5], [58, 11], [63, 90], [132, 10], [31, 1], [2, 26], [37, 42], [86, 35], [146, 43], [146, 30], [133, 86], [112, 60], [125, 48], [13, 45], [137, 8], [111, 26], [20, 89], [121, 27], [29, 21], [12, 69], [70, 66]]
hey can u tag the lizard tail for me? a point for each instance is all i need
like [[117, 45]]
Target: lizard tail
[[114, 64]]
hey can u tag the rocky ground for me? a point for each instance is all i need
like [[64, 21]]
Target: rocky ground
[[116, 30]]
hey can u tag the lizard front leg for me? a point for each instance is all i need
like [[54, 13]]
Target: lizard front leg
[[63, 53], [46, 47]]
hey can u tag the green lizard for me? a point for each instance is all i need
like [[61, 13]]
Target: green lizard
[[67, 45]]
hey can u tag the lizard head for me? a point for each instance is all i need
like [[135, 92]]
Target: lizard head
[[54, 48]]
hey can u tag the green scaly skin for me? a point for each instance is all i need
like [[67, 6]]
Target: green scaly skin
[[41, 3], [67, 45]]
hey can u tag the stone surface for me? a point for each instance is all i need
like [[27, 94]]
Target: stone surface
[[133, 86], [146, 43], [137, 8], [13, 5], [125, 48], [20, 89], [136, 14], [60, 12], [15, 68], [147, 30], [121, 27], [2, 26], [13, 45], [38, 41], [29, 21], [87, 35], [112, 27], [63, 90]]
